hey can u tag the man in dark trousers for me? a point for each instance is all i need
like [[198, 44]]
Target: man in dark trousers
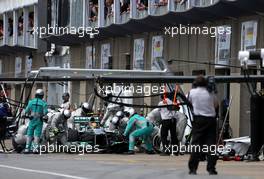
[[168, 124], [3, 119], [204, 104]]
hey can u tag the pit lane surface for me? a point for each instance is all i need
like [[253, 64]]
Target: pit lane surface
[[113, 166]]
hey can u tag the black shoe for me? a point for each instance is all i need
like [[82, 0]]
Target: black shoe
[[213, 172], [26, 152], [164, 154], [176, 154], [36, 152], [130, 152], [150, 152], [192, 172]]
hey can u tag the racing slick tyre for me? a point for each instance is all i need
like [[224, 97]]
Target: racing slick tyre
[[73, 135], [156, 142]]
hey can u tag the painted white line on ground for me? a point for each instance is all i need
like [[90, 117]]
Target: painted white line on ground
[[42, 172]]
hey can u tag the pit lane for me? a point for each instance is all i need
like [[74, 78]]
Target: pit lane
[[100, 166]]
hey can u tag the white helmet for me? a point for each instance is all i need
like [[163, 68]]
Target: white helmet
[[119, 114], [39, 93], [86, 107], [66, 113], [130, 111], [115, 120]]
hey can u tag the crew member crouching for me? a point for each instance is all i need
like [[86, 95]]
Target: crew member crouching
[[144, 128], [58, 125]]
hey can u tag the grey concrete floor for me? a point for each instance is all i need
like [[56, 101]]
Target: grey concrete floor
[[113, 166]]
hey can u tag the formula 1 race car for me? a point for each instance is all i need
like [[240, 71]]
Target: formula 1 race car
[[87, 131]]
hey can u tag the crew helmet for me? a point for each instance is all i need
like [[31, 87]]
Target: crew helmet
[[119, 114], [39, 93], [130, 111], [86, 107], [115, 120], [66, 113]]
